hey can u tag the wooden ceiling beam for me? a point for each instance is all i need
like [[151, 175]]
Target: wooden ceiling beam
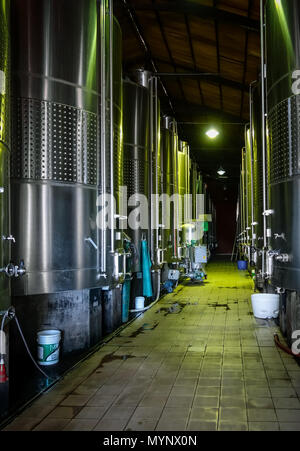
[[250, 2], [163, 34], [204, 12], [204, 76], [218, 55], [187, 24], [186, 110]]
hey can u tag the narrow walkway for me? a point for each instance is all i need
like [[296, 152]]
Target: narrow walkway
[[198, 360]]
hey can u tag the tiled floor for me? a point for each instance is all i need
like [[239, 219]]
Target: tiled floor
[[198, 360]]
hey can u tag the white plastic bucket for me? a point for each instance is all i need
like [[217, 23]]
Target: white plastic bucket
[[48, 346], [265, 305], [139, 302]]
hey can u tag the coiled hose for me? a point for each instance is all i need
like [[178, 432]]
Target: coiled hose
[[284, 348]]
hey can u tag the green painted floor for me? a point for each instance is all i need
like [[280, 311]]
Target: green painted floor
[[198, 360]]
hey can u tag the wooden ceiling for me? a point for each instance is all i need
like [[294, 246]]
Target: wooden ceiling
[[216, 43]]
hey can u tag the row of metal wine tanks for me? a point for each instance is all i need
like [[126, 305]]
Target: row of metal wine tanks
[[157, 162], [270, 183], [80, 132]]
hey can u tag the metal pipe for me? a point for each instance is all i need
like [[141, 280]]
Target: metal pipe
[[103, 127], [111, 104], [150, 237], [263, 114], [252, 157], [241, 196], [243, 191], [156, 169], [187, 207], [246, 184], [177, 192]]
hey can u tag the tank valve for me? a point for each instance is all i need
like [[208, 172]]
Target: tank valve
[[279, 235], [8, 238], [12, 270], [20, 270], [273, 253], [283, 258], [92, 242], [268, 212], [9, 270]]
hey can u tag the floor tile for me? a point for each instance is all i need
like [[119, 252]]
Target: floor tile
[[288, 415], [52, 424], [286, 403], [263, 426], [231, 401], [198, 425], [176, 425], [91, 413], [64, 412], [147, 413], [204, 414], [261, 414], [206, 401], [119, 412], [81, 425], [233, 414], [232, 426], [141, 425], [289, 426], [22, 424], [179, 401], [109, 424], [260, 403], [75, 400]]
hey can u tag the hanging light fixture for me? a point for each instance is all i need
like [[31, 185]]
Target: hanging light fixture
[[221, 171], [212, 133]]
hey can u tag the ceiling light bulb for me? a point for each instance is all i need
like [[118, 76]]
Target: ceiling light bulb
[[221, 171], [212, 133]]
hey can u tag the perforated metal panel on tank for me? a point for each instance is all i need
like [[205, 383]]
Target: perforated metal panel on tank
[[54, 142], [136, 176], [284, 124], [5, 69]]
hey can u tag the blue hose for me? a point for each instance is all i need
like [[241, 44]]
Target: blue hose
[[146, 269], [125, 300]]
